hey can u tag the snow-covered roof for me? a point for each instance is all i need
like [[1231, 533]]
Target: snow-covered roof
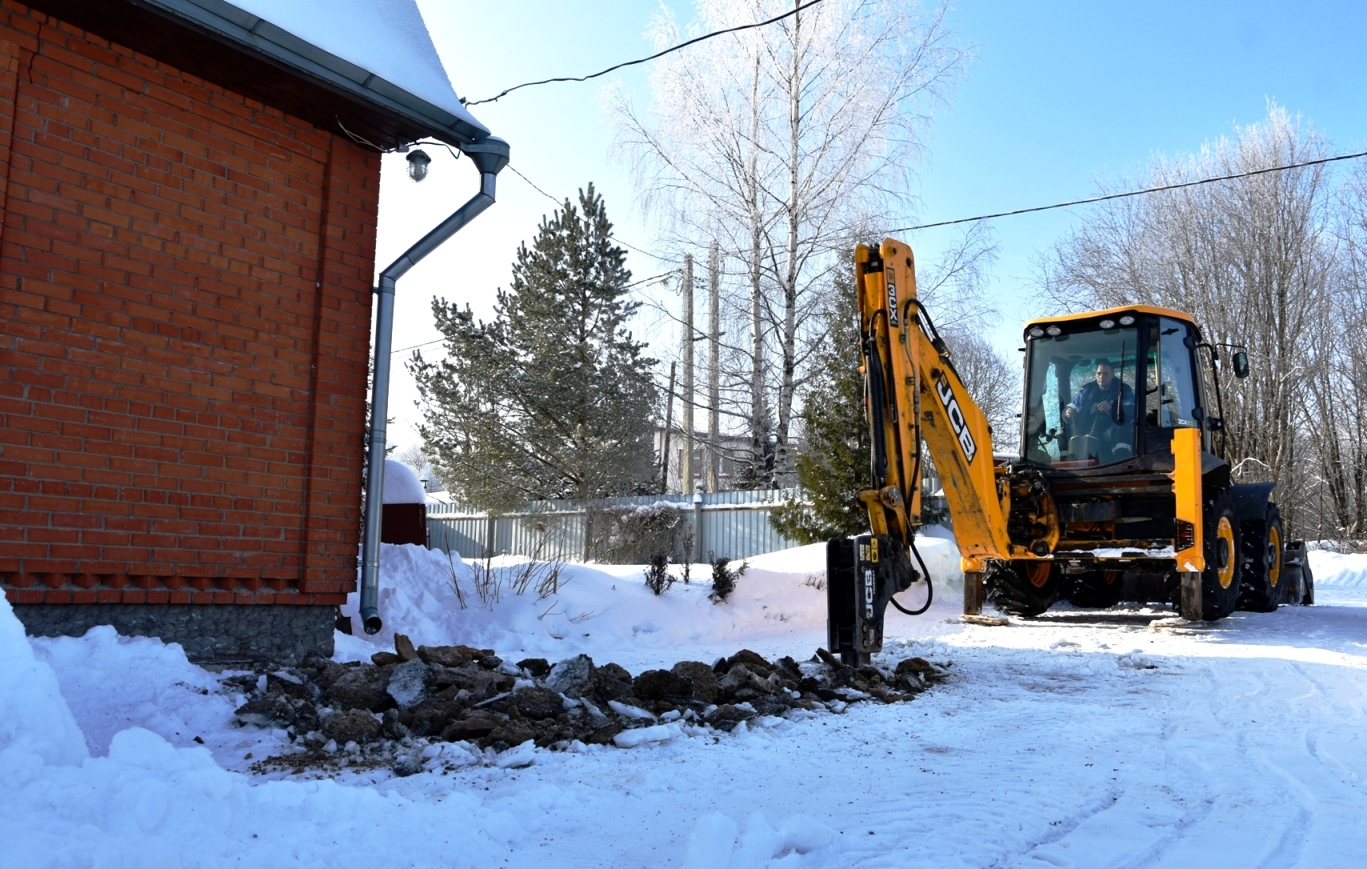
[[368, 65], [386, 38]]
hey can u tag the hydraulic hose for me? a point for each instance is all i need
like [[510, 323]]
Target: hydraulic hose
[[925, 572]]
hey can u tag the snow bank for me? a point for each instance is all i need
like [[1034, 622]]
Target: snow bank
[[113, 682], [1335, 570], [149, 803], [1339, 578], [606, 611], [36, 727]]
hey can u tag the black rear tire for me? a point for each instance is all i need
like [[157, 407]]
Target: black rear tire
[[1220, 579], [1094, 590], [1263, 559], [1010, 590]]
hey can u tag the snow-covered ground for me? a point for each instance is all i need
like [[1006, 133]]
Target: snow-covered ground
[[1080, 739]]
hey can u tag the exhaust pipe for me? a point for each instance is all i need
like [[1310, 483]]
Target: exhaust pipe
[[490, 156]]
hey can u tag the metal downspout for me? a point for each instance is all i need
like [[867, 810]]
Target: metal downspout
[[490, 156]]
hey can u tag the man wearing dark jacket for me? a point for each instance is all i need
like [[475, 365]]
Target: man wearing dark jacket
[[1101, 405]]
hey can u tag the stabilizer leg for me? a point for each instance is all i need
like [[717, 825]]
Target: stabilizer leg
[[973, 593], [1189, 606]]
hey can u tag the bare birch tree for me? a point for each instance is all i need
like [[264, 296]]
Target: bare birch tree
[[784, 143]]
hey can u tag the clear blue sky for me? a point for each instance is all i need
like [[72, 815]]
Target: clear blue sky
[[1058, 96]]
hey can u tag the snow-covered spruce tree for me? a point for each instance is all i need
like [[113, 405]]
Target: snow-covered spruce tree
[[834, 465], [553, 397]]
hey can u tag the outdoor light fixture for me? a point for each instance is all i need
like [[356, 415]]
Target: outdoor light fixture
[[417, 164]]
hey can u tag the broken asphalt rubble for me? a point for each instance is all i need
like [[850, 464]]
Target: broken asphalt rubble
[[414, 697]]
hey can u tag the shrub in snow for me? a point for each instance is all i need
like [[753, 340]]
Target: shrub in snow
[[633, 536], [724, 578], [542, 574], [657, 574]]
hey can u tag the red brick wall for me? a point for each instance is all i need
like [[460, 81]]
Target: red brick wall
[[184, 329]]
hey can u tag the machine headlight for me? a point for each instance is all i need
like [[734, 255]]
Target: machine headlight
[[1053, 330], [1127, 320], [1036, 332], [1108, 324]]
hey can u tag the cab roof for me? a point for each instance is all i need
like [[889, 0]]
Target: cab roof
[[1112, 312]]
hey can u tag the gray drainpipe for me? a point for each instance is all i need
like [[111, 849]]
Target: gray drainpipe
[[489, 156]]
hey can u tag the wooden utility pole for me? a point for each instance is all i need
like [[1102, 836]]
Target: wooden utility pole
[[669, 423], [713, 367], [686, 471]]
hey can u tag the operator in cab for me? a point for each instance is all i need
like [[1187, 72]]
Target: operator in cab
[[1101, 407]]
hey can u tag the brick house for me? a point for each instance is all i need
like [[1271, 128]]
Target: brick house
[[186, 263]]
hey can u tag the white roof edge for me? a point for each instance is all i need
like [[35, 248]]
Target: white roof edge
[[247, 28]]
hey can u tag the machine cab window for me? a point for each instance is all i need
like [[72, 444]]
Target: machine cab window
[[1172, 401], [1172, 397], [1081, 408]]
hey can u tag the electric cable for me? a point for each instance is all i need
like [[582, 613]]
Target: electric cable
[[627, 286], [558, 203], [658, 54], [1109, 196], [533, 185]]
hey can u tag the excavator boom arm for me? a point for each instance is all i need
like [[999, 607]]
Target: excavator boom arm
[[912, 395], [922, 398]]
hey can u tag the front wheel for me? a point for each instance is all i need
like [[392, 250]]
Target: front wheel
[[1220, 579]]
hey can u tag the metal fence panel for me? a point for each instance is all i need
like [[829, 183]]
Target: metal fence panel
[[733, 525]]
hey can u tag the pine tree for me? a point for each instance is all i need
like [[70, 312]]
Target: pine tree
[[552, 398], [833, 466]]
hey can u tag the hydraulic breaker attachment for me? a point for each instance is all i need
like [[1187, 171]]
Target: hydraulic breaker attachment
[[862, 575]]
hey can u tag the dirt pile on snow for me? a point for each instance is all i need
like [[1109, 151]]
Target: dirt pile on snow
[[396, 709]]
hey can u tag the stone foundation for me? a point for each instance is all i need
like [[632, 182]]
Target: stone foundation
[[210, 634]]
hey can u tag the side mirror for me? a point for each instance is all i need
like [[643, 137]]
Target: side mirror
[[1241, 365], [1215, 423]]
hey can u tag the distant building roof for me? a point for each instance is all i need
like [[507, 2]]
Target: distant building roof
[[366, 65]]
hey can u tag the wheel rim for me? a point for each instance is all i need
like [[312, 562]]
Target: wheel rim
[[1038, 573], [1224, 550], [1274, 555]]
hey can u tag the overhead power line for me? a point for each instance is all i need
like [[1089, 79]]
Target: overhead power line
[[532, 184], [416, 346], [628, 286], [1147, 190], [659, 54], [617, 239]]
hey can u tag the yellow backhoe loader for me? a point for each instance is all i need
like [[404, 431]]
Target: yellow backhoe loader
[[1120, 490]]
